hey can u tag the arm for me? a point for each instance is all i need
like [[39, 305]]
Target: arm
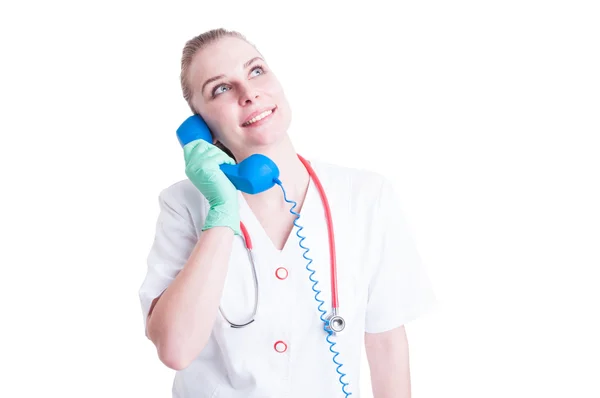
[[399, 292], [181, 319], [388, 358]]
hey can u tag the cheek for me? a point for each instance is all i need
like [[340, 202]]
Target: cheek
[[276, 89], [223, 120]]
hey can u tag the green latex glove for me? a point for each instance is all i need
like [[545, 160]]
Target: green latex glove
[[202, 161]]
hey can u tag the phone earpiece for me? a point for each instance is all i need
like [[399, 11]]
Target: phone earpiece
[[253, 175]]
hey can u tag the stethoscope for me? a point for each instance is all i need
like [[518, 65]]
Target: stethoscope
[[336, 322]]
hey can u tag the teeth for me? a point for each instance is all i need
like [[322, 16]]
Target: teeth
[[257, 118]]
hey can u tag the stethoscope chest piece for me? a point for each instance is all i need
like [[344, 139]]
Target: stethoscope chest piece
[[336, 323]]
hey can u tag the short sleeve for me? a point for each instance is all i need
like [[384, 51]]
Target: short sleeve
[[399, 289], [174, 240]]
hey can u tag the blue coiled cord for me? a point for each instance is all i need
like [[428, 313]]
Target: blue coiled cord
[[315, 282]]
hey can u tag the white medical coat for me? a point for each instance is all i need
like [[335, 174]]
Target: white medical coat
[[284, 352]]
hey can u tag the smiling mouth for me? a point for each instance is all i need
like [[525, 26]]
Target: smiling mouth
[[259, 117]]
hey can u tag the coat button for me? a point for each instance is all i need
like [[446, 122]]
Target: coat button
[[280, 346], [281, 273]]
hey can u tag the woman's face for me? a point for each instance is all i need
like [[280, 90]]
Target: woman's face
[[238, 96]]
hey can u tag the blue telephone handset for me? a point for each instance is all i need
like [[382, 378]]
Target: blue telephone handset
[[253, 175]]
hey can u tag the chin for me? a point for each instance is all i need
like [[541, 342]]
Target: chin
[[265, 137], [267, 133]]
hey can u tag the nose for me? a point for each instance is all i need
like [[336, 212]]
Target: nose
[[248, 95]]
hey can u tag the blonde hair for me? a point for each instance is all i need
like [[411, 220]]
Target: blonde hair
[[190, 49]]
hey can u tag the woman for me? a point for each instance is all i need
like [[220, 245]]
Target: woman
[[200, 281]]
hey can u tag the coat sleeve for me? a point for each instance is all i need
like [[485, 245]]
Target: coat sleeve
[[399, 289], [175, 238]]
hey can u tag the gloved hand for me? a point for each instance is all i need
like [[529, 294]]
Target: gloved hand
[[202, 161]]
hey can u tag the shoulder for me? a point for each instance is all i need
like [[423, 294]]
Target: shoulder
[[182, 191], [183, 198]]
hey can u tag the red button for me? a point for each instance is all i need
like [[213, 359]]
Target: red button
[[280, 346], [281, 273]]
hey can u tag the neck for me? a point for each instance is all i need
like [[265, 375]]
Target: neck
[[292, 173]]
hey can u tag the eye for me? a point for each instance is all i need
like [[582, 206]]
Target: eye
[[258, 69], [218, 90]]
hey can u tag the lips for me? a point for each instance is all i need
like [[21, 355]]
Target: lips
[[258, 115]]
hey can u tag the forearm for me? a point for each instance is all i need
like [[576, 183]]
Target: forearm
[[182, 319], [388, 358]]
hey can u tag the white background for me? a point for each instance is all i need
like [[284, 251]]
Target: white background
[[485, 115]]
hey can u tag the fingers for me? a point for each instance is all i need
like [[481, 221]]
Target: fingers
[[200, 151], [218, 156], [195, 148]]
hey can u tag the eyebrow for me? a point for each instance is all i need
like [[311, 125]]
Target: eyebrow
[[247, 64], [215, 78]]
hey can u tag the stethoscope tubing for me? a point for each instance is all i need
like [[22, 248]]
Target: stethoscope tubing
[[332, 254], [335, 319]]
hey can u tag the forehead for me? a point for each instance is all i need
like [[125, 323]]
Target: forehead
[[223, 57]]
